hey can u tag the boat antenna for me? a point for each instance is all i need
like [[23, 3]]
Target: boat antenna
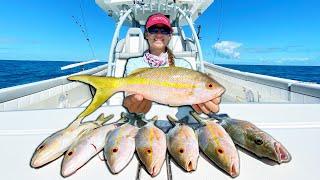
[[219, 28], [84, 29]]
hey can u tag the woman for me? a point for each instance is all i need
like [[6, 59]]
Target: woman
[[158, 33]]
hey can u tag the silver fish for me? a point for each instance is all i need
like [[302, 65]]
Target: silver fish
[[59, 142], [82, 150], [255, 140]]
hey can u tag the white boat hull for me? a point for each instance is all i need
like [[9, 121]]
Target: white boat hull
[[296, 126]]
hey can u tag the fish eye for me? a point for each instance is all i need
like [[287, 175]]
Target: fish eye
[[70, 153], [209, 85], [220, 151], [181, 150], [258, 141], [115, 150], [149, 151], [41, 147]]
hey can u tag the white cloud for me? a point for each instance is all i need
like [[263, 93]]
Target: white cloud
[[295, 59], [228, 49], [292, 60]]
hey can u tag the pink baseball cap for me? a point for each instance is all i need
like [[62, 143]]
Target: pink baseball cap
[[158, 18]]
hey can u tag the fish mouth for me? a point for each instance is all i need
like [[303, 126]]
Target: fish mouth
[[234, 170], [283, 155], [220, 91], [68, 168], [154, 172], [38, 161], [66, 172], [191, 166], [35, 163]]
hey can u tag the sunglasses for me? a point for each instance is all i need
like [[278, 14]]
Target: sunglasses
[[156, 30]]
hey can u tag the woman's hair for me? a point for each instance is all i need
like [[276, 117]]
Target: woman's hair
[[170, 57]]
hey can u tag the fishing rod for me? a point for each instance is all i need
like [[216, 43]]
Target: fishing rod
[[219, 29], [83, 28], [86, 35]]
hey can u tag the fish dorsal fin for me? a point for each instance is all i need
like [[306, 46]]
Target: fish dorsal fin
[[172, 120], [100, 118], [104, 119], [139, 70], [219, 117]]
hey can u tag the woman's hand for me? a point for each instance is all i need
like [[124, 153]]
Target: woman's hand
[[208, 107], [135, 103]]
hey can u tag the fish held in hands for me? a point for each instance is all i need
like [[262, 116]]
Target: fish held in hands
[[216, 144], [120, 147], [151, 147], [174, 86], [253, 139], [183, 145], [59, 142]]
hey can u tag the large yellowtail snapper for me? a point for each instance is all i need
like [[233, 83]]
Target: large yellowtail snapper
[[174, 86]]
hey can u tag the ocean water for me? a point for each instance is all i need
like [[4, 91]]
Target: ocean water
[[300, 73], [14, 73]]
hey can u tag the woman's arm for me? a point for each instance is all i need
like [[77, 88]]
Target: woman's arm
[[135, 103]]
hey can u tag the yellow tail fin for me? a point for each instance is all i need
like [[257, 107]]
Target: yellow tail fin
[[105, 88]]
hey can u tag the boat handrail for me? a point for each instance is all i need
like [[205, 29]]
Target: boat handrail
[[15, 92], [310, 89], [74, 65]]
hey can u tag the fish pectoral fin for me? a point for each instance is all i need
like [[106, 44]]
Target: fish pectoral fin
[[108, 118]]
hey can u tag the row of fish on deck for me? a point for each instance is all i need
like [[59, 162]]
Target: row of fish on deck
[[151, 138], [216, 136]]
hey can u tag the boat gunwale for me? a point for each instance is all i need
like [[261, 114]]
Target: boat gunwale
[[294, 86]]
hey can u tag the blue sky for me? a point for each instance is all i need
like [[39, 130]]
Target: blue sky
[[252, 32]]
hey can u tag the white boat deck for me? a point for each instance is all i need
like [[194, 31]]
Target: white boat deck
[[296, 126]]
